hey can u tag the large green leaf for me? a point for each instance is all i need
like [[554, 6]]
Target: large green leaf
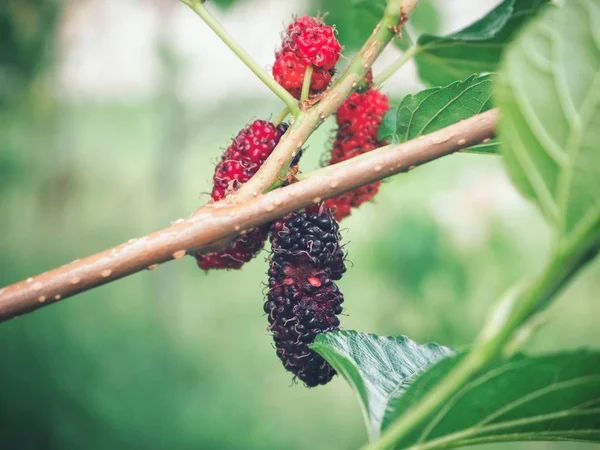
[[550, 397], [549, 96], [475, 49], [436, 108], [545, 398], [376, 367]]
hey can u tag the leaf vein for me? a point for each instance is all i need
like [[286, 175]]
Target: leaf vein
[[459, 394], [457, 98], [574, 147], [550, 146], [536, 181], [537, 394]]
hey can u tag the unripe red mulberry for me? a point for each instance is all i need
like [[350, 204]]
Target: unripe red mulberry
[[358, 118], [240, 161], [308, 41], [314, 42], [362, 114], [303, 299]]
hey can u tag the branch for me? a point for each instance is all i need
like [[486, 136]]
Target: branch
[[213, 225], [277, 164]]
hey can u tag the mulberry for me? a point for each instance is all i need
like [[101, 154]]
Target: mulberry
[[358, 120], [314, 42], [303, 299], [240, 161], [308, 41], [239, 252]]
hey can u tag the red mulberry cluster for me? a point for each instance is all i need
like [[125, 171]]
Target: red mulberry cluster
[[358, 120], [307, 42], [303, 299], [240, 161]]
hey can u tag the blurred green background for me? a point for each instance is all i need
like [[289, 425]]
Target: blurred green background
[[175, 358]]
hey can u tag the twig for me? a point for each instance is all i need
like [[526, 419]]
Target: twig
[[281, 116], [212, 226], [391, 70], [199, 8]]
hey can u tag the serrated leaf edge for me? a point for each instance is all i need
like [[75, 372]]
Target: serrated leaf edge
[[374, 426]]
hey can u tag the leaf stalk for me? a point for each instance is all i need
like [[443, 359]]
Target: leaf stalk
[[392, 69]]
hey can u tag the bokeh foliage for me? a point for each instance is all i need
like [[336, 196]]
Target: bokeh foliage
[[27, 44], [175, 358]]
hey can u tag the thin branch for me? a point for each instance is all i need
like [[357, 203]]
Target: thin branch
[[277, 164], [199, 8], [391, 70], [212, 226], [281, 116]]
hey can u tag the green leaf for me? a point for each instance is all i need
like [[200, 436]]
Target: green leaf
[[377, 7], [544, 398], [425, 18], [475, 49], [549, 96], [388, 128], [436, 108], [376, 367], [355, 24], [489, 148]]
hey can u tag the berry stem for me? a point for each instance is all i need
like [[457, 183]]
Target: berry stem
[[281, 116], [306, 83], [199, 8], [391, 70], [213, 226]]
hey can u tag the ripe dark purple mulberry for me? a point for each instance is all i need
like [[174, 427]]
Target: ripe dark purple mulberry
[[303, 299]]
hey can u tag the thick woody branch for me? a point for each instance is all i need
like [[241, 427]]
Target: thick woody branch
[[212, 225], [276, 166]]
